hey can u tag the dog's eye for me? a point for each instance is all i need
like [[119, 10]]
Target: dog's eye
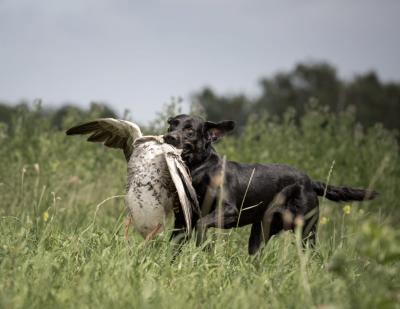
[[189, 132]]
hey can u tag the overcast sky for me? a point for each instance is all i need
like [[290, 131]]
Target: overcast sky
[[137, 54]]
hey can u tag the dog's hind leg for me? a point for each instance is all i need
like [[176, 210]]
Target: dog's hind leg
[[273, 222], [310, 238], [309, 232], [305, 210], [278, 216], [256, 238]]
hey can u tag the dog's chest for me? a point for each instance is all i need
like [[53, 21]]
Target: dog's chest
[[150, 191]]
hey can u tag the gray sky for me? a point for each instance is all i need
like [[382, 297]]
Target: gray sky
[[137, 54]]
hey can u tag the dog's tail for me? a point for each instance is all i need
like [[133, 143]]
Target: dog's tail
[[343, 194]]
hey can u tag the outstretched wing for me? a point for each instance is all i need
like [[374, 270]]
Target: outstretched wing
[[183, 183], [114, 133]]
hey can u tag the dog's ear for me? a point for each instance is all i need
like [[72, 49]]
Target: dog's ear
[[214, 131]]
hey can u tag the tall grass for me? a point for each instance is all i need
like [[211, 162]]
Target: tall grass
[[62, 243]]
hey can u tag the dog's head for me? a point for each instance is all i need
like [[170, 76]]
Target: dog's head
[[194, 136]]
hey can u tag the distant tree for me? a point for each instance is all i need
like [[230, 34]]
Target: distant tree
[[374, 100], [235, 107], [67, 114], [58, 118], [7, 111], [295, 88]]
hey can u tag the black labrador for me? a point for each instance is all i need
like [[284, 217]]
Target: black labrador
[[270, 197]]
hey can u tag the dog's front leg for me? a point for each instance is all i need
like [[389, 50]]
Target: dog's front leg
[[225, 217]]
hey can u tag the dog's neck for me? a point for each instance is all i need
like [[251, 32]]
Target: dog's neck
[[211, 158]]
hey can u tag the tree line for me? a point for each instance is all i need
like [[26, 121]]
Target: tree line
[[373, 100]]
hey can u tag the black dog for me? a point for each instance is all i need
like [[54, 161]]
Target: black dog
[[271, 197]]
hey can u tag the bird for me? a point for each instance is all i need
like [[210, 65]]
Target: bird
[[158, 181]]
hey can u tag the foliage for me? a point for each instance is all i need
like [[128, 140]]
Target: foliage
[[61, 246], [160, 123], [57, 118]]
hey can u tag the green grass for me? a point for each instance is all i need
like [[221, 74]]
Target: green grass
[[55, 252]]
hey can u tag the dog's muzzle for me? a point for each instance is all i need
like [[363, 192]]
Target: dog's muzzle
[[173, 139]]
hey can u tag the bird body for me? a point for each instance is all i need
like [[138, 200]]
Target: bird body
[[158, 182], [150, 193]]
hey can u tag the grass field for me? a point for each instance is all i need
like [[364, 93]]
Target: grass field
[[61, 228]]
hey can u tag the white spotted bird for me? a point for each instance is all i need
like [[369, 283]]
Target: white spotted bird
[[159, 184]]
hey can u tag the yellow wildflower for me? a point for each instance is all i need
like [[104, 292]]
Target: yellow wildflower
[[347, 209], [323, 220], [45, 216]]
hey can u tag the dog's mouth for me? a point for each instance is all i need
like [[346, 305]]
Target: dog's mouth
[[187, 151], [187, 148]]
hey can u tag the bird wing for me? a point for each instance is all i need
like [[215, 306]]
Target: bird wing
[[115, 133], [183, 183], [187, 182]]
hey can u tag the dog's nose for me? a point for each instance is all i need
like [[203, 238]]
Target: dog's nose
[[171, 138]]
